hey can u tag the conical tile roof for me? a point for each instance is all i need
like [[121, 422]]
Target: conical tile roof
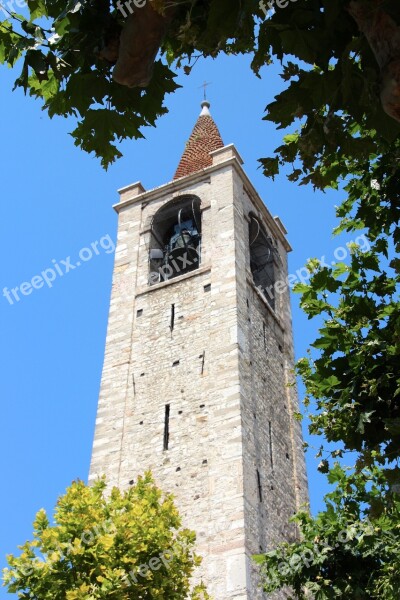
[[205, 138]]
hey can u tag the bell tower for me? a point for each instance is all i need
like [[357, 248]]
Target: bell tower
[[198, 358]]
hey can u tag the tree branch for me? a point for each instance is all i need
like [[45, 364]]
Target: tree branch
[[140, 41], [383, 35]]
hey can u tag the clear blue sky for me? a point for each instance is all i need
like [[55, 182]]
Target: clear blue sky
[[55, 200]]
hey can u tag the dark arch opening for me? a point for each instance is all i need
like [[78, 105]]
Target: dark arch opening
[[262, 260], [175, 244]]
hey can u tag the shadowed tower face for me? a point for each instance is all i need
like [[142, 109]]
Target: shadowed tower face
[[198, 358]]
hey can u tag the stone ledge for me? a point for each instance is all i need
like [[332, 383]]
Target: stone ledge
[[175, 280]]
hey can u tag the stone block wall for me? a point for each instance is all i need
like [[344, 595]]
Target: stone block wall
[[275, 482]]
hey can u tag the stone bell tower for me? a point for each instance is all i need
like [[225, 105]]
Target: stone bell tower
[[198, 359]]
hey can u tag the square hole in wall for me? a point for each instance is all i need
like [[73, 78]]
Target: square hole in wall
[[139, 313], [207, 288]]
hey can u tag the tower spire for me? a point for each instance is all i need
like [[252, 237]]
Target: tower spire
[[204, 139]]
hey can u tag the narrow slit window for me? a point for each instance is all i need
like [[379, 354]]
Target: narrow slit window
[[271, 455], [203, 360], [172, 323], [166, 427], [260, 497]]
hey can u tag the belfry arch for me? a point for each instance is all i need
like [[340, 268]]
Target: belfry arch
[[175, 239]]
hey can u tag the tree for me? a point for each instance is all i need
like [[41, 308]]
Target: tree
[[125, 545], [345, 553], [87, 59]]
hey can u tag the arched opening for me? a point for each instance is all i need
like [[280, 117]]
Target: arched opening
[[175, 245], [262, 260]]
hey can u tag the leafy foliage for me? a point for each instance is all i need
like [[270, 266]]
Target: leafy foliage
[[62, 66], [352, 381], [355, 377], [345, 552], [333, 87], [127, 545]]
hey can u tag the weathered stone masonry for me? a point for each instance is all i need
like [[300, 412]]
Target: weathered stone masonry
[[207, 345]]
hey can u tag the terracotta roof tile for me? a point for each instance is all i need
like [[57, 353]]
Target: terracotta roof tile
[[204, 139]]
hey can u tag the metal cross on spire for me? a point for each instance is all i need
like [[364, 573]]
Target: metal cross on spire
[[205, 84]]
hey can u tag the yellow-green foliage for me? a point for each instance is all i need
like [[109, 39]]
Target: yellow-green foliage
[[120, 546]]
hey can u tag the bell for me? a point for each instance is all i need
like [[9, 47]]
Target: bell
[[183, 241], [183, 259]]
